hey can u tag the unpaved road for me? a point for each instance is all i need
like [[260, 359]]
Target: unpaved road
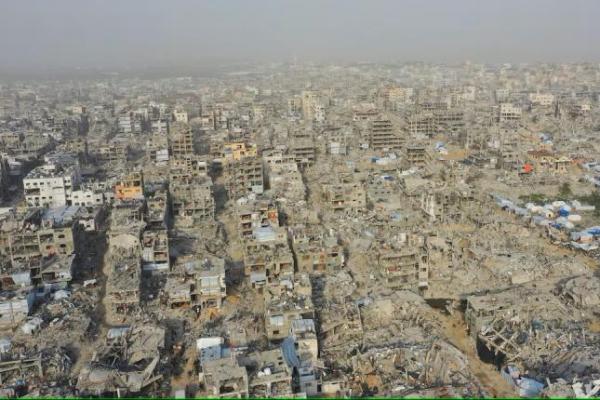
[[490, 378]]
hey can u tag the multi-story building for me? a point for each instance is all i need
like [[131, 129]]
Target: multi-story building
[[316, 252], [88, 196], [234, 151], [181, 142], [382, 136], [541, 99], [416, 155], [257, 214], [180, 115], [346, 193], [509, 112], [40, 233], [51, 185], [130, 187], [422, 124], [155, 251], [197, 282], [113, 152], [193, 202], [210, 288], [245, 177], [267, 256], [129, 122], [157, 148], [159, 126], [405, 265], [304, 151], [287, 300]]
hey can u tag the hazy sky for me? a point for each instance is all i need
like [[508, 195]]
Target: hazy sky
[[137, 33]]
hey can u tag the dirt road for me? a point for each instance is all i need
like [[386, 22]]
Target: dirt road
[[488, 375]]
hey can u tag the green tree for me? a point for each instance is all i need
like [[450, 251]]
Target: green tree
[[564, 191]]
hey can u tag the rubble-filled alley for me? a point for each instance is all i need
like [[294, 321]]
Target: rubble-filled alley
[[303, 231]]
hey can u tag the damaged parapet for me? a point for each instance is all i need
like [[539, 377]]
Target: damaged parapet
[[155, 251], [193, 202], [186, 169], [345, 193], [157, 148], [267, 256], [383, 136], [197, 282], [404, 263], [126, 227], [157, 210], [125, 364], [51, 184], [209, 273], [268, 374], [316, 251], [256, 214], [224, 378], [287, 300], [130, 187], [123, 284], [244, 177], [40, 233], [229, 152]]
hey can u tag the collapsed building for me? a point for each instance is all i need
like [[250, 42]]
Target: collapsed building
[[197, 282], [302, 231], [127, 363], [287, 300]]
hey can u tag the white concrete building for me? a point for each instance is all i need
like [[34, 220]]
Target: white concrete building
[[159, 126], [125, 123], [51, 185], [541, 99], [509, 112], [87, 197], [180, 115]]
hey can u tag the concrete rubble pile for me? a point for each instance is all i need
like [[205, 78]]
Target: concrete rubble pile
[[311, 230], [125, 364]]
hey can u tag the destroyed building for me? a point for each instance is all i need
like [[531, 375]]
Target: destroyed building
[[155, 251], [404, 265], [286, 300], [316, 252], [51, 184], [127, 363], [197, 282], [245, 177], [302, 230], [382, 136], [257, 214], [347, 193]]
